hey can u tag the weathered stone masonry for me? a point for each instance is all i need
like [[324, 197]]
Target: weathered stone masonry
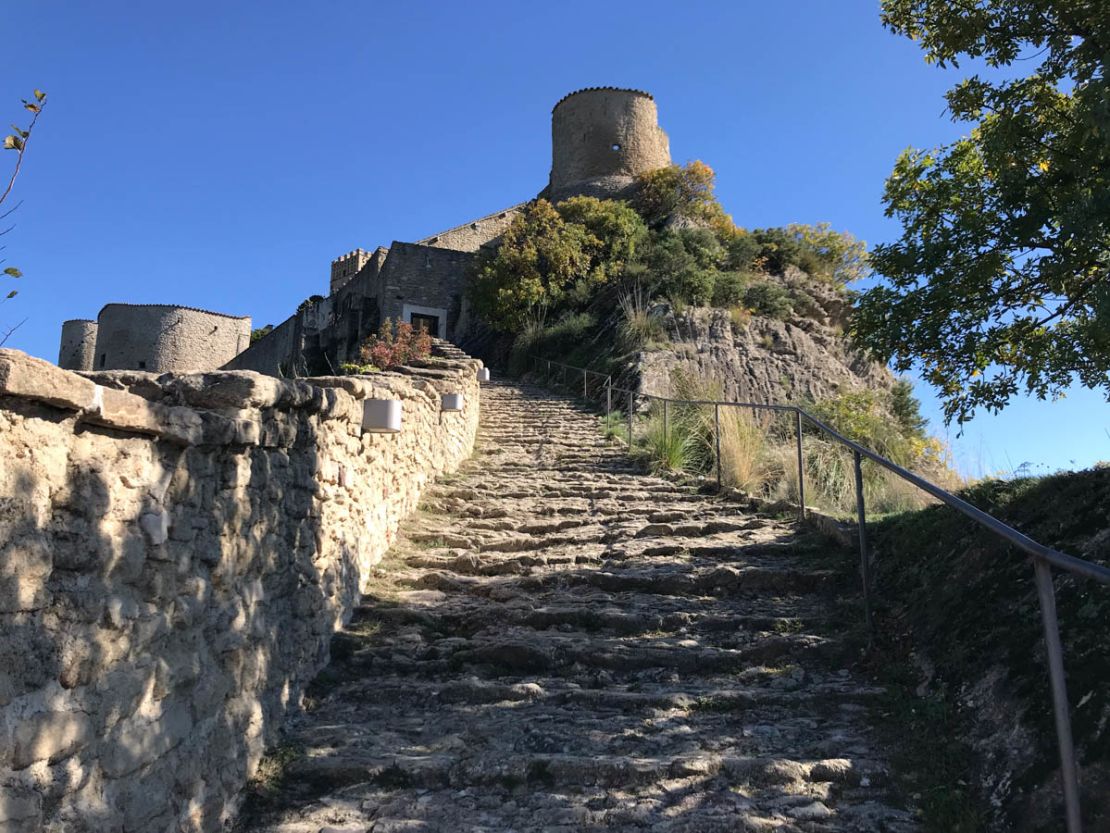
[[175, 552]]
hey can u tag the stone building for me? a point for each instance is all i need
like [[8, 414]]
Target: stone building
[[159, 338], [601, 139]]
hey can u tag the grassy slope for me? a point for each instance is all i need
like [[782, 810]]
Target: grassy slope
[[960, 598]]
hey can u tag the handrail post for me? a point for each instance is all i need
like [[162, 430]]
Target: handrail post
[[664, 422], [717, 439], [1055, 655], [585, 392], [608, 402], [801, 468], [864, 561], [630, 420]]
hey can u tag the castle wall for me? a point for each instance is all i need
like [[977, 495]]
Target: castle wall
[[162, 339], [78, 344], [600, 139], [172, 567], [425, 277], [278, 353], [470, 237]]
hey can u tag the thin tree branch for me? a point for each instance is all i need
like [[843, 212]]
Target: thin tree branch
[[8, 334], [22, 150]]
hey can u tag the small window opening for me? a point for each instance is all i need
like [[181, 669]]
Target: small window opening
[[616, 147], [142, 365], [103, 359]]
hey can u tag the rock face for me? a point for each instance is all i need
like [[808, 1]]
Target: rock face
[[560, 642], [805, 358], [175, 554]]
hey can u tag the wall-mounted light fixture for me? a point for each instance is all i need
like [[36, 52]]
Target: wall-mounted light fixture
[[483, 374], [451, 402], [381, 416]]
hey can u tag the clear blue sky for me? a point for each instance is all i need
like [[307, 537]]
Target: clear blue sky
[[220, 154]]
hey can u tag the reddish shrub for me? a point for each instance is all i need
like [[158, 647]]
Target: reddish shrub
[[394, 346]]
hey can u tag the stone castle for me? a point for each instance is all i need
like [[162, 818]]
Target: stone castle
[[601, 139]]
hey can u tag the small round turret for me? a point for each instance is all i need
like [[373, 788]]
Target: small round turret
[[78, 344]]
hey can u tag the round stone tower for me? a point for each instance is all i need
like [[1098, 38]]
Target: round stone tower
[[601, 138], [165, 338], [78, 344]]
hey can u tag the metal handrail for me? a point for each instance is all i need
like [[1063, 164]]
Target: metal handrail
[[1044, 558]]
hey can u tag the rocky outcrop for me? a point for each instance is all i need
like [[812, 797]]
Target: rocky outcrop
[[805, 358], [175, 553]]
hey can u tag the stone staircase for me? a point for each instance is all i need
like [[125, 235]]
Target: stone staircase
[[561, 642]]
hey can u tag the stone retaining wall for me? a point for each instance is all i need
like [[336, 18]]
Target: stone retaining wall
[[175, 553]]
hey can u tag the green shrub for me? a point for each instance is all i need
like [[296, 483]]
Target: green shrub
[[741, 251], [770, 299], [559, 341], [804, 304], [729, 288], [703, 246], [616, 235], [309, 302], [354, 369], [681, 191], [261, 332], [816, 250]]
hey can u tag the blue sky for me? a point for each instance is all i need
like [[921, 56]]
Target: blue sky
[[220, 154]]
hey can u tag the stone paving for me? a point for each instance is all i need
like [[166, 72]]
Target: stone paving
[[561, 642]]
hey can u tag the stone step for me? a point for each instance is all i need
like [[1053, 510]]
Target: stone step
[[562, 641]]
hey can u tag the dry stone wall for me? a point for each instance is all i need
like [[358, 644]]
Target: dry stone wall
[[175, 553]]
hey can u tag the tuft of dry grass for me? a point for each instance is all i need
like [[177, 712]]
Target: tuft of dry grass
[[758, 455]]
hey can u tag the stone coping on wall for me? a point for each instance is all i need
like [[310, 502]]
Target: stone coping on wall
[[174, 306], [218, 407], [493, 215], [643, 93]]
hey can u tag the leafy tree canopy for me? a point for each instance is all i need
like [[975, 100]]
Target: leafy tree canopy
[[681, 192], [1000, 281], [539, 258]]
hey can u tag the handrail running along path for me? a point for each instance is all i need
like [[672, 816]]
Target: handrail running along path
[[1044, 558]]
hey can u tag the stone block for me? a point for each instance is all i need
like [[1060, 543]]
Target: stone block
[[49, 736], [20, 809], [31, 378], [127, 412], [137, 741]]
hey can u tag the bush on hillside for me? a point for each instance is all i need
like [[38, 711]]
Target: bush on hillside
[[770, 299]]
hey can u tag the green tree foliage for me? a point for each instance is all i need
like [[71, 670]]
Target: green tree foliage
[[770, 299], [674, 241], [681, 191], [554, 257], [616, 234], [260, 333], [309, 302], [1001, 279], [17, 142], [539, 257], [816, 250]]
